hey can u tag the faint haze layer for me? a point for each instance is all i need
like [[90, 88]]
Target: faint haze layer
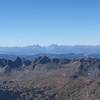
[[44, 22], [52, 49]]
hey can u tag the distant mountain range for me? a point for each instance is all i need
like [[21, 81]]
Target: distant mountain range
[[52, 49]]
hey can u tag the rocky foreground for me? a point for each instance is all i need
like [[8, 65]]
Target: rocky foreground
[[50, 79]]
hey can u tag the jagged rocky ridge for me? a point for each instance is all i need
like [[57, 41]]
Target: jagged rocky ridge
[[47, 78], [18, 64]]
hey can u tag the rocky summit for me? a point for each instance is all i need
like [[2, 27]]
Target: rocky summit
[[45, 78]]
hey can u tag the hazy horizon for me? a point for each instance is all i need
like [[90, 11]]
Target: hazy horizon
[[93, 45]]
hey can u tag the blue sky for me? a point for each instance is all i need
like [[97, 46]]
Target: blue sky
[[45, 22]]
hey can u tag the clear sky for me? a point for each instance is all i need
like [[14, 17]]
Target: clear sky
[[44, 22]]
